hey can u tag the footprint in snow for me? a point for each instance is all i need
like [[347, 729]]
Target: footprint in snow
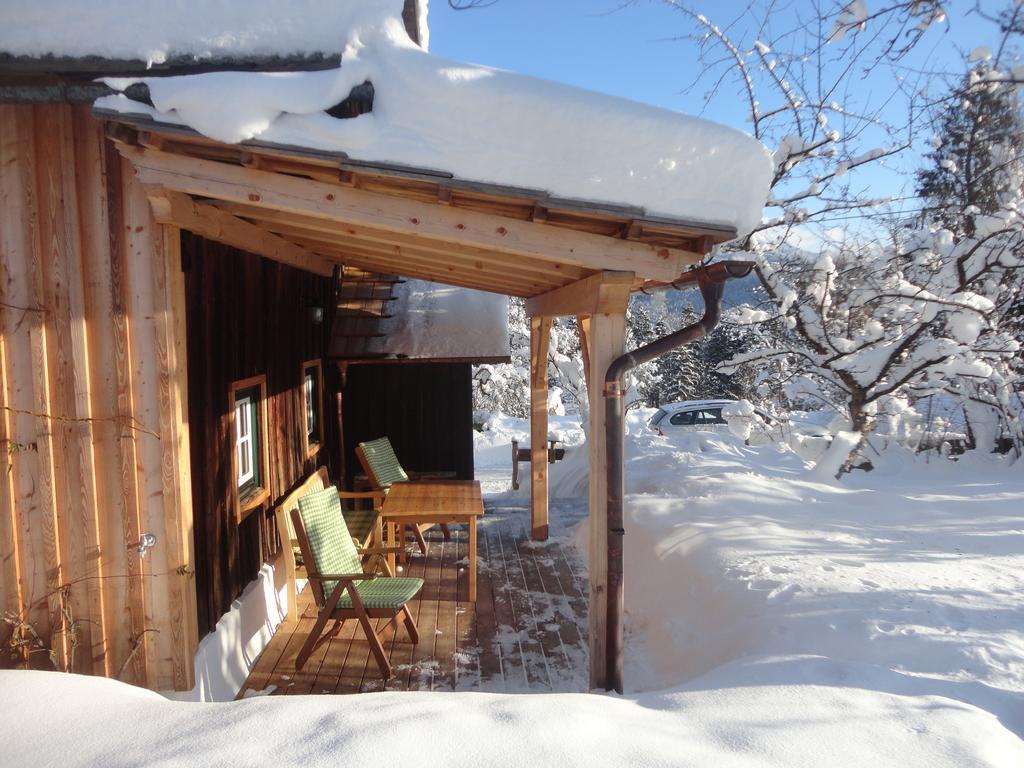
[[870, 584], [763, 585], [847, 562]]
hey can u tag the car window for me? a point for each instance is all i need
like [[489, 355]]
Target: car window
[[712, 416], [683, 418], [656, 418]]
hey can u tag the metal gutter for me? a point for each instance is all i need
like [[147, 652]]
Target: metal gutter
[[711, 281]]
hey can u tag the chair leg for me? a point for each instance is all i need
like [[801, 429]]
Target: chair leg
[[376, 647], [314, 635], [416, 532], [410, 625]]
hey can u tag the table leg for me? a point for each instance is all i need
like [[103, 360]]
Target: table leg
[[472, 559], [392, 542]]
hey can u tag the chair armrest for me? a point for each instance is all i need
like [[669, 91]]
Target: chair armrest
[[342, 576], [382, 551]]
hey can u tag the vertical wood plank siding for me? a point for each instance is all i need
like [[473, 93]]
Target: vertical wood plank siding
[[91, 407], [425, 409], [246, 316]]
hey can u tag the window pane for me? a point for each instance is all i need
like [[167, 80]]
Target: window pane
[[309, 386], [246, 438], [714, 417]]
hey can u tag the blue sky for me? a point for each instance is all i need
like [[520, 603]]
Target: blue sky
[[634, 51]]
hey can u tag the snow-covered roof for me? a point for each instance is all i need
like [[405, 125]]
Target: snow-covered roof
[[161, 31], [478, 124], [421, 321], [433, 321]]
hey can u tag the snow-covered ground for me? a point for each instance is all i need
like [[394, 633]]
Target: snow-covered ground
[[773, 620], [743, 716], [742, 562]]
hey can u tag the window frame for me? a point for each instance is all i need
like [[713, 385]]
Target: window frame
[[249, 496], [313, 446]]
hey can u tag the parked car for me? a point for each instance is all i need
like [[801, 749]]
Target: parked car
[[706, 415]]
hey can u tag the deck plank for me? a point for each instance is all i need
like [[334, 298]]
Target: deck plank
[[443, 678], [488, 649], [533, 657], [418, 675], [401, 653]]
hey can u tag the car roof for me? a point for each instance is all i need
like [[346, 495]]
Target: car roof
[[694, 404]]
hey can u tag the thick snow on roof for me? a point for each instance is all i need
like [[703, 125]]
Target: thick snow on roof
[[481, 124], [433, 321], [157, 31]]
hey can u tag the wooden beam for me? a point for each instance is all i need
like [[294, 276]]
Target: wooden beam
[[38, 517], [180, 210], [606, 337], [175, 464], [92, 154], [394, 214], [540, 336], [287, 225], [437, 273], [602, 293], [453, 271]]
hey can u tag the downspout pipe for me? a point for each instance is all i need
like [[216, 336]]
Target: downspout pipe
[[711, 281]]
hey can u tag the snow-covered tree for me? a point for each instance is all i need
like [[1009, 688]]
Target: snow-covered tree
[[878, 325], [870, 320], [975, 162]]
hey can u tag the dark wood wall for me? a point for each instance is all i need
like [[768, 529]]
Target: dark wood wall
[[246, 316], [426, 409]]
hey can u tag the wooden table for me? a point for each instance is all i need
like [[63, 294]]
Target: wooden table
[[435, 501]]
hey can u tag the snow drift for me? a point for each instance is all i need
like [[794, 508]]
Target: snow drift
[[740, 717]]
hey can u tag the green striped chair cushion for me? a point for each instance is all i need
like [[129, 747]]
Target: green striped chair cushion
[[383, 461], [384, 592], [329, 539]]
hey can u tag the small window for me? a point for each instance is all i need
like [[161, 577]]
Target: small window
[[312, 384], [248, 400]]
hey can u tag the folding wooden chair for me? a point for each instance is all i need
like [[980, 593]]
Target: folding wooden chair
[[363, 524], [342, 586], [383, 469]]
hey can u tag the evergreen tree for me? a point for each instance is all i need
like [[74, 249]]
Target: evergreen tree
[[974, 165]]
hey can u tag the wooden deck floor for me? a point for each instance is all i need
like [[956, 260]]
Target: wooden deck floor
[[525, 633]]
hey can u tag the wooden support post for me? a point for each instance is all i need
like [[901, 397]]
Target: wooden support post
[[540, 335], [605, 337], [176, 467]]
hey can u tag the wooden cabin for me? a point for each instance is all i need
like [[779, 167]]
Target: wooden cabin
[[169, 302]]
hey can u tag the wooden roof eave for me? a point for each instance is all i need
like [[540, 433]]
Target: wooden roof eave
[[420, 222]]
